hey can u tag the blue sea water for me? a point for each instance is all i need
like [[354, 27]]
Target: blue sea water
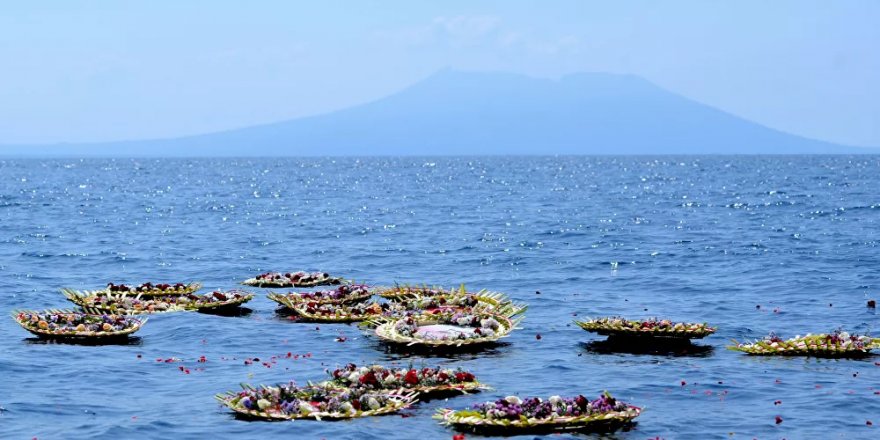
[[688, 238]]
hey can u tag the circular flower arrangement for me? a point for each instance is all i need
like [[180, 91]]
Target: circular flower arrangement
[[456, 329], [648, 328], [555, 413], [292, 279], [339, 312], [126, 304], [346, 293], [422, 297], [400, 293], [837, 344], [438, 305], [404, 292], [426, 381], [441, 305], [289, 402], [71, 324], [490, 302], [217, 299], [150, 289]]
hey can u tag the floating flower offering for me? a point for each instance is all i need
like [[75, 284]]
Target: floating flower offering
[[837, 344], [440, 305], [426, 381], [494, 302], [346, 293], [294, 279], [453, 329], [126, 304], [219, 299], [122, 303], [339, 312], [72, 324], [419, 297], [150, 289], [400, 293], [289, 402], [647, 328], [430, 306], [555, 413]]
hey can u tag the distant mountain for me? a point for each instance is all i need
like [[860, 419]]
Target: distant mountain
[[455, 112]]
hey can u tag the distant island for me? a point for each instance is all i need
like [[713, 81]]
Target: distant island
[[477, 113]]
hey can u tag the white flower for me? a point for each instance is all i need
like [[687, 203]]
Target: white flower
[[346, 408], [554, 399], [263, 403], [373, 403], [353, 377], [305, 407], [513, 399]]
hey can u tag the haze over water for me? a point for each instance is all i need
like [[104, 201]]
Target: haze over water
[[694, 238]]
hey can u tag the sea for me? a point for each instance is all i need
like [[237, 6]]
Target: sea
[[750, 244]]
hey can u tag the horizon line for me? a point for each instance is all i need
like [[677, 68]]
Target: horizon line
[[443, 156]]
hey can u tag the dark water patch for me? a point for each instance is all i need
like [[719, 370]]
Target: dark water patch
[[654, 348], [128, 341], [401, 351], [231, 312]]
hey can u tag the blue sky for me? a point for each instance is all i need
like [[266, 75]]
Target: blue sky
[[109, 70]]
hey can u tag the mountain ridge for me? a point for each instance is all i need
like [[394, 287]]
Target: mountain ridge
[[464, 113]]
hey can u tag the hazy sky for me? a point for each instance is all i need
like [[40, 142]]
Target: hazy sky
[[107, 70]]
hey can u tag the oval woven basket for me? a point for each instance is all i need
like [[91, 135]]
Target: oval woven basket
[[821, 345], [272, 410], [135, 305], [646, 329], [512, 415], [338, 313], [152, 290], [66, 322], [487, 301], [345, 294], [599, 422]]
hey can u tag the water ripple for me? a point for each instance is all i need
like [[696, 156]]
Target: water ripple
[[750, 244]]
